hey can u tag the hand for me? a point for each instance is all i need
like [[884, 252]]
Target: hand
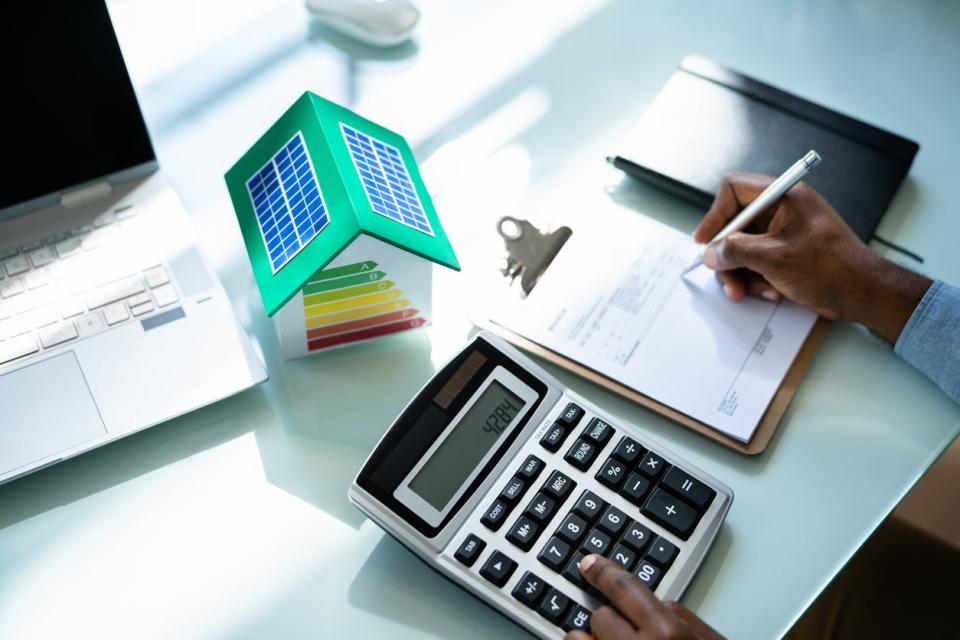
[[803, 250], [636, 613]]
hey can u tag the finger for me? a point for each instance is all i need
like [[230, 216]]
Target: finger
[[628, 594], [607, 624], [756, 252], [577, 635], [700, 628], [733, 285], [759, 287], [736, 191]]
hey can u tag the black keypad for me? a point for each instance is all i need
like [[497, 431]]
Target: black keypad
[[541, 508], [470, 550], [649, 573], [612, 472], [628, 450], [523, 533], [577, 620], [529, 590], [623, 556], [531, 468], [554, 553], [495, 515], [573, 528], [554, 437], [558, 485], [671, 512], [662, 552], [514, 490], [613, 521], [582, 454], [572, 572], [498, 568], [599, 431], [571, 415], [553, 606], [589, 505], [651, 465], [689, 488], [635, 488], [596, 542], [637, 537]]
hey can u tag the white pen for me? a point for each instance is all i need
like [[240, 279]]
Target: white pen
[[767, 197]]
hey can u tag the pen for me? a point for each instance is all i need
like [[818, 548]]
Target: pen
[[767, 197]]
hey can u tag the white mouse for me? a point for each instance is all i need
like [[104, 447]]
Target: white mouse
[[382, 23]]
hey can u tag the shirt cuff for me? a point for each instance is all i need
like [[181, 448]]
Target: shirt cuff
[[930, 341]]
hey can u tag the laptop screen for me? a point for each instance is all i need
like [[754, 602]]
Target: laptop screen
[[69, 111]]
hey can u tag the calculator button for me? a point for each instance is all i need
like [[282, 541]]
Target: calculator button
[[649, 573], [662, 552], [498, 568], [495, 515], [541, 508], [635, 488], [554, 553], [612, 521], [523, 533], [628, 450], [513, 490], [571, 415], [577, 620], [589, 505], [637, 537], [572, 572], [651, 465], [599, 431], [582, 454], [689, 488], [675, 515], [531, 468], [529, 589], [553, 606], [554, 437], [559, 485], [596, 542], [623, 556], [612, 472], [573, 528], [470, 549]]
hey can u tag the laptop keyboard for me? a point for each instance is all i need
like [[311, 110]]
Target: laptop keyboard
[[77, 283]]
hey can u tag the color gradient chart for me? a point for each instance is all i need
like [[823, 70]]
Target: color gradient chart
[[354, 302]]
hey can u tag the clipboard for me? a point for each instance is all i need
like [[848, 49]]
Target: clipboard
[[530, 253]]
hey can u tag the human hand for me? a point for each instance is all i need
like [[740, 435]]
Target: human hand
[[636, 613], [802, 249]]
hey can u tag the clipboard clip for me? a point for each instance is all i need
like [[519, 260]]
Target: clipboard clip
[[529, 251]]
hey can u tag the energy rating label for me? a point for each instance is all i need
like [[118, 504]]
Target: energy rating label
[[354, 302]]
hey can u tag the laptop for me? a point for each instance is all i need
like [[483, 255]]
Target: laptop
[[111, 320]]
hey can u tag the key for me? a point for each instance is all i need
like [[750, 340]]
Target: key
[[596, 542], [165, 295], [470, 550], [611, 474], [531, 468], [581, 454], [141, 309], [612, 521], [599, 431], [43, 256], [681, 483], [11, 287], [651, 465], [649, 573], [553, 606], [662, 552], [623, 556], [589, 505], [156, 277], [495, 515], [554, 553], [577, 620], [672, 513], [635, 488], [571, 415], [523, 533], [572, 571], [90, 323], [68, 247], [628, 450], [57, 333], [572, 529], [637, 537], [115, 312], [554, 437], [559, 485], [123, 288], [16, 265], [541, 508], [513, 490], [498, 568], [529, 589], [18, 347]]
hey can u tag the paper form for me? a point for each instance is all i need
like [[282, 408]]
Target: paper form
[[614, 301]]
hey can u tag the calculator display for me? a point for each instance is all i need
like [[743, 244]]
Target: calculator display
[[481, 427]]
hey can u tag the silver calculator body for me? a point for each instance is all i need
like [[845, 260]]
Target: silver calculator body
[[501, 479]]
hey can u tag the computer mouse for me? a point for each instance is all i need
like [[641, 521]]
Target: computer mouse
[[381, 23]]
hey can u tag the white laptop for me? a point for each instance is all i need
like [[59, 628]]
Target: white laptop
[[111, 320]]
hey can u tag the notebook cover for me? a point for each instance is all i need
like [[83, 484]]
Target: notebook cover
[[708, 121]]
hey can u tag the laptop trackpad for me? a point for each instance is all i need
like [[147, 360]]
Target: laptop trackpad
[[46, 408]]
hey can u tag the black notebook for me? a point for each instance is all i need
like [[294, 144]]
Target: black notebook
[[708, 121]]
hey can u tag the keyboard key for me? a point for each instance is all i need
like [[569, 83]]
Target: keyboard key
[[613, 521], [123, 288], [599, 431], [628, 450], [637, 537], [141, 309], [577, 620], [495, 515], [582, 454], [68, 247], [689, 488], [43, 256], [635, 488], [541, 508], [14, 348], [649, 573], [115, 312], [554, 554], [90, 324], [553, 606], [572, 570], [589, 505], [611, 474], [156, 277], [559, 485], [531, 468], [529, 589], [596, 542], [662, 552], [513, 490], [554, 437], [573, 528], [36, 278], [470, 550], [165, 295], [8, 253], [571, 415], [16, 265], [139, 299], [498, 568], [651, 465], [674, 514], [58, 333], [623, 556], [523, 533], [11, 287]]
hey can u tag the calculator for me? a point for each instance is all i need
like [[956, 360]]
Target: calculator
[[502, 480]]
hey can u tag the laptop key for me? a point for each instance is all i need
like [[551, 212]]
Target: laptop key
[[12, 287], [116, 312], [57, 333], [123, 288], [16, 265], [18, 347]]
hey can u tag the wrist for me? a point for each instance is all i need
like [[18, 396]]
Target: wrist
[[890, 295]]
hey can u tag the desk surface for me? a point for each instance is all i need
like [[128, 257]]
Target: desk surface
[[233, 521]]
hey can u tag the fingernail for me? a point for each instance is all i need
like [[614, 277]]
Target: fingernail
[[586, 562], [770, 294], [727, 290]]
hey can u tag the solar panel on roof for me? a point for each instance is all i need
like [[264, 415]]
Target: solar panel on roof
[[385, 180], [288, 203]]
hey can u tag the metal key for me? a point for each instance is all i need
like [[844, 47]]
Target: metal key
[[529, 252]]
